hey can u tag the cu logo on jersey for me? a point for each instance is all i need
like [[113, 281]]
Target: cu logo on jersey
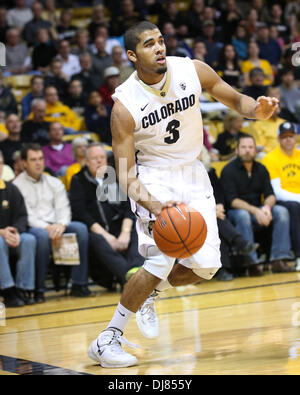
[[182, 85]]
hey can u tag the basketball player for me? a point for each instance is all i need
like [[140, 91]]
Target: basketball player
[[157, 135]]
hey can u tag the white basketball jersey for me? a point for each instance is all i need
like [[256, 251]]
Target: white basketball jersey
[[168, 123]]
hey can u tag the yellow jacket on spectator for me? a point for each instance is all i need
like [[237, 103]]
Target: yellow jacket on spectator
[[247, 66], [284, 167], [62, 114], [265, 133], [3, 129], [71, 171]]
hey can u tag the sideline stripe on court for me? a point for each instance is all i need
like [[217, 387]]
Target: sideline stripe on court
[[30, 368], [166, 298]]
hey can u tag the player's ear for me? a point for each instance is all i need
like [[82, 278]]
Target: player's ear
[[131, 56]]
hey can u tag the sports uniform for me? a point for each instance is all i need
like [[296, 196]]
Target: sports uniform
[[168, 138]]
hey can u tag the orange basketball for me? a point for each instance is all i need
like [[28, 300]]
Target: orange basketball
[[179, 231]]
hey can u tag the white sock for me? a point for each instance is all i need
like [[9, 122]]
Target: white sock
[[120, 318], [163, 285]]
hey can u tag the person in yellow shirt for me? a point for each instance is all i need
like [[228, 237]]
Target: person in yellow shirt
[[79, 146], [58, 112], [283, 164]]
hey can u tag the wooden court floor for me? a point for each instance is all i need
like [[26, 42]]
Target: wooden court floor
[[246, 326]]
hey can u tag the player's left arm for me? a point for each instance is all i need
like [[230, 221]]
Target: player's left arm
[[262, 108]]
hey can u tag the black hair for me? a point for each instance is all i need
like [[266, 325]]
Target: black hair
[[245, 136], [131, 36], [29, 147]]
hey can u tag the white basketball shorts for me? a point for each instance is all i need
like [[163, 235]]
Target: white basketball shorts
[[189, 184]]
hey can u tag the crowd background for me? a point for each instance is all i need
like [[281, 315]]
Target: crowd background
[[64, 60]]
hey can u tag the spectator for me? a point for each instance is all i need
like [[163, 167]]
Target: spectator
[[19, 15], [81, 43], [56, 111], [113, 238], [49, 217], [275, 36], [252, 22], [43, 52], [128, 17], [8, 103], [70, 63], [18, 164], [289, 92], [245, 181], [228, 66], [37, 22], [173, 47], [101, 59], [57, 154], [227, 141], [256, 87], [65, 29], [254, 61], [56, 77], [13, 142], [277, 18], [51, 13], [75, 98], [79, 146], [123, 65], [269, 49], [173, 15], [98, 19], [240, 42], [35, 130], [265, 131], [261, 9], [112, 81], [211, 42], [15, 240], [199, 51], [4, 27], [97, 117], [110, 42], [37, 92], [194, 18], [283, 164], [88, 76], [229, 19], [17, 54]]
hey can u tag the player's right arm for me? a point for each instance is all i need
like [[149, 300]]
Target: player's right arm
[[122, 129]]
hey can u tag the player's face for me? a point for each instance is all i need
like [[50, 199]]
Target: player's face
[[150, 54]]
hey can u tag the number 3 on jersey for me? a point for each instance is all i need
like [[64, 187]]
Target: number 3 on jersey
[[172, 128]]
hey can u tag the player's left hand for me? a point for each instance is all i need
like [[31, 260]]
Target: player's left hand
[[265, 107]]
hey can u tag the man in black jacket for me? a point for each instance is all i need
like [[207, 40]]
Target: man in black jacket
[[96, 201], [14, 241]]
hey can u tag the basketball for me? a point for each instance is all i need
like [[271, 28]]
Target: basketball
[[179, 231]]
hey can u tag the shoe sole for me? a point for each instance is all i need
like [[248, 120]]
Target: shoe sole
[[142, 330], [94, 356]]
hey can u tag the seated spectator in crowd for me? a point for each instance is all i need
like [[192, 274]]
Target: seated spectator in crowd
[[75, 98], [57, 154], [43, 52], [277, 18], [37, 92], [7, 172], [57, 111], [111, 223], [4, 26], [194, 17], [97, 117], [13, 142], [79, 146], [30, 29], [227, 141], [65, 29], [15, 240], [98, 19], [283, 164], [18, 164], [81, 43], [17, 54], [269, 49], [111, 82], [229, 19], [70, 62], [51, 12], [289, 92], [256, 87], [265, 131], [240, 42], [245, 182], [101, 59], [49, 217], [274, 35], [128, 17], [211, 41], [254, 61], [173, 47], [8, 103], [172, 15], [19, 15], [228, 66], [110, 42], [199, 51], [35, 130], [251, 21], [123, 65], [261, 10], [88, 76], [56, 77]]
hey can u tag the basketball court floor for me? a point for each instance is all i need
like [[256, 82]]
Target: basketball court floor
[[246, 326]]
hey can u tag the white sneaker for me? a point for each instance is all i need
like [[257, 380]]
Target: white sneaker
[[107, 350], [146, 317]]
